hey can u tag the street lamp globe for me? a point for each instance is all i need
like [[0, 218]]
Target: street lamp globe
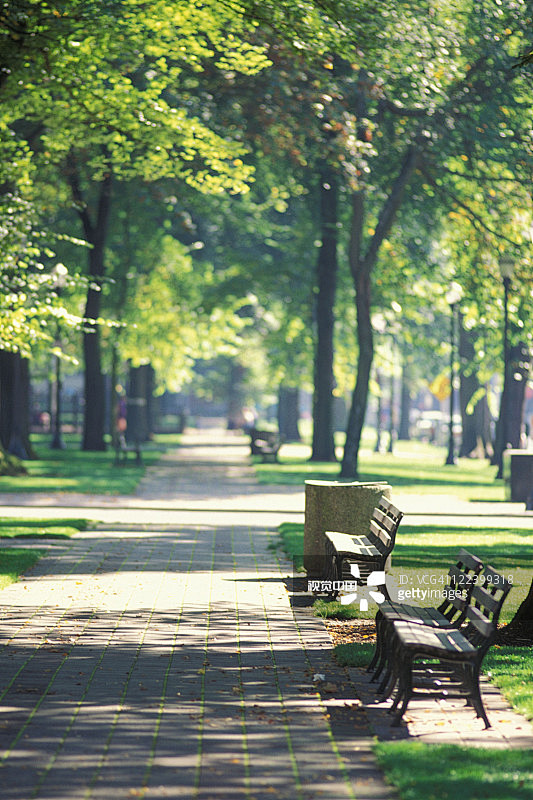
[[454, 293], [59, 275]]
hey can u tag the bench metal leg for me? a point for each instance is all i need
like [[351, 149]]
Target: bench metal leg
[[404, 691], [474, 692]]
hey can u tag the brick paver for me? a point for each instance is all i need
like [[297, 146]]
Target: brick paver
[[160, 658]]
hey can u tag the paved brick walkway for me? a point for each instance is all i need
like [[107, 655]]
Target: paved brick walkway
[[156, 658], [164, 660]]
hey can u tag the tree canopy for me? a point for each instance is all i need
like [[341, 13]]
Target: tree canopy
[[190, 146]]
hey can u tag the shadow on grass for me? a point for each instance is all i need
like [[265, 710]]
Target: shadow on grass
[[428, 474]]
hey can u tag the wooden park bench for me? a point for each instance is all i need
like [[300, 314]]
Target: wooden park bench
[[450, 613], [265, 444], [369, 551], [447, 662], [123, 450]]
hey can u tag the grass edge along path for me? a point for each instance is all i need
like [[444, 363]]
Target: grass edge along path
[[15, 561]]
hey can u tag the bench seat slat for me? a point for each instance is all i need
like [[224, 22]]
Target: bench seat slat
[[396, 612], [430, 641], [346, 545]]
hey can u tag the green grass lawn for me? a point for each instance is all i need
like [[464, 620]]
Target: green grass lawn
[[414, 467], [14, 561], [422, 556], [13, 527], [447, 772], [73, 470]]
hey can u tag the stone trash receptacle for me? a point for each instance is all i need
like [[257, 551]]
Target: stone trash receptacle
[[336, 506]]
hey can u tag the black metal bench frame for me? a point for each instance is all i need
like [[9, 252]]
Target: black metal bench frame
[[123, 449], [449, 614], [447, 662], [265, 444], [369, 551]]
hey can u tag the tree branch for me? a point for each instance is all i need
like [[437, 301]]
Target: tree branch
[[73, 179], [393, 202], [476, 219]]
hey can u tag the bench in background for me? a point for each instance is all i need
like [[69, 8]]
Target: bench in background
[[123, 450], [265, 444]]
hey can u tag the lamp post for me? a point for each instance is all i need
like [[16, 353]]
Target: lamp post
[[453, 296], [506, 265], [379, 411], [59, 277], [391, 398]]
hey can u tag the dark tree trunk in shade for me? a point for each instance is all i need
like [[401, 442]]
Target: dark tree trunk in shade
[[15, 405], [361, 264], [475, 415], [323, 447], [236, 396], [511, 417], [95, 228], [138, 403], [519, 370], [524, 613]]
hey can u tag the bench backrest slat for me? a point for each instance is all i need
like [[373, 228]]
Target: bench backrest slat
[[384, 524], [383, 520], [486, 601], [462, 577], [380, 538], [478, 621]]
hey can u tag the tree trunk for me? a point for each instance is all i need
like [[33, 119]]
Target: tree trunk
[[323, 448], [15, 405], [289, 413], [236, 396], [519, 373], [115, 395], [361, 267], [94, 419], [524, 613], [379, 414], [472, 401], [139, 387], [511, 417], [96, 234], [150, 404], [404, 427]]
